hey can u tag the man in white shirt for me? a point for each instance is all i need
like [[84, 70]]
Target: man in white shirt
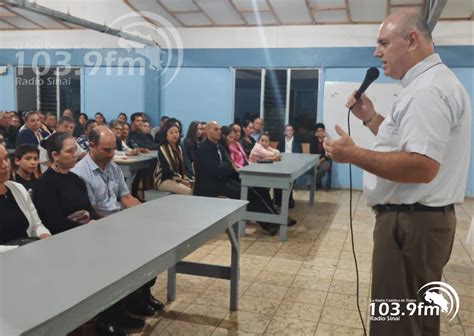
[[415, 172]]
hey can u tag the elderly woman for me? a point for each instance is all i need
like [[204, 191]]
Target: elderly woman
[[20, 220]]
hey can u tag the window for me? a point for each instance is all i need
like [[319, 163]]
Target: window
[[248, 87], [48, 89], [280, 96]]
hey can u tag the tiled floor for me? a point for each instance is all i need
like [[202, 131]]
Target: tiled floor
[[305, 286]]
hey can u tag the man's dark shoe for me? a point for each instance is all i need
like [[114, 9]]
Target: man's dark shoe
[[144, 310], [292, 222], [109, 329], [156, 304], [128, 322]]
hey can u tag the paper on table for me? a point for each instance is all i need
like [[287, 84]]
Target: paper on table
[[5, 248]]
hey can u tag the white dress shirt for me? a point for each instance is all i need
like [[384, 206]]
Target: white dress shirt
[[289, 145], [432, 117]]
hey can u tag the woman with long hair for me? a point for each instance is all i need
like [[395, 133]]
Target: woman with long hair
[[170, 174], [247, 140], [237, 152], [192, 140]]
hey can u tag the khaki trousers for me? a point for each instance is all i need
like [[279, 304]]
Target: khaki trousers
[[410, 250]]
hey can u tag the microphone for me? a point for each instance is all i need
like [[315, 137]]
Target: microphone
[[371, 75]]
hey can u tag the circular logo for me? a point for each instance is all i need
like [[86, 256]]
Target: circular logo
[[443, 295], [167, 57]]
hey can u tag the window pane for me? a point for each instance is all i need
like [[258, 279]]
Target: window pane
[[48, 99], [25, 89], [304, 102], [70, 91], [274, 104], [247, 94]]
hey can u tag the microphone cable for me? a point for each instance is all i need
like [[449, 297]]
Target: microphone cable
[[352, 230]]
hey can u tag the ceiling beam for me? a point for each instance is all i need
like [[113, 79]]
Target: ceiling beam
[[348, 11], [432, 11], [311, 14], [23, 17], [139, 12], [32, 7], [273, 11], [10, 24], [213, 23], [170, 12], [238, 12]]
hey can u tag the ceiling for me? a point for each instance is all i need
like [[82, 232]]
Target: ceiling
[[224, 13]]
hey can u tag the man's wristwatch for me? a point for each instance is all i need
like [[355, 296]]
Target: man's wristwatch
[[370, 120]]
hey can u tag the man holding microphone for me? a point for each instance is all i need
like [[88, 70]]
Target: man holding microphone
[[417, 168]]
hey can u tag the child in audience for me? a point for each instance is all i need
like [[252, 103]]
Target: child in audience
[[263, 151], [26, 159]]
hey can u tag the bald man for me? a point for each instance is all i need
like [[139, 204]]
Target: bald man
[[108, 193], [415, 172], [215, 176]]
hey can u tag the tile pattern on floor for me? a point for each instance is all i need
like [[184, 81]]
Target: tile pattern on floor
[[305, 286]]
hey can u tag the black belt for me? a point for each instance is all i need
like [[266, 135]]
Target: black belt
[[381, 208]]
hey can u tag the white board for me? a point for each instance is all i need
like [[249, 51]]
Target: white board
[[335, 112]]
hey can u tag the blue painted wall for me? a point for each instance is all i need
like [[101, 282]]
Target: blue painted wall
[[198, 94], [7, 90], [108, 92]]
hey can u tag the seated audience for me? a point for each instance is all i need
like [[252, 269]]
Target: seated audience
[[156, 129], [99, 117], [60, 195], [108, 194], [216, 176], [125, 139], [68, 113], [170, 172], [192, 140], [122, 117], [65, 125], [316, 147], [146, 130], [83, 140], [26, 159], [203, 126], [237, 153], [137, 135], [8, 131], [16, 121], [81, 125], [247, 141], [288, 143], [263, 151], [116, 126], [51, 122], [32, 133], [19, 217], [257, 128]]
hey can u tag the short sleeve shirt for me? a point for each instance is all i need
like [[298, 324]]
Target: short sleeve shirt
[[104, 187], [431, 117]]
